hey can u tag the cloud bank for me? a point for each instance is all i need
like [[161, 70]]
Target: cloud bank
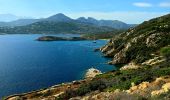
[[145, 4], [142, 4], [164, 4]]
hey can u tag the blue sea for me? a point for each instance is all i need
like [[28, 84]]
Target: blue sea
[[27, 64]]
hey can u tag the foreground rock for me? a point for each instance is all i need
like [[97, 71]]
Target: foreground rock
[[54, 38]]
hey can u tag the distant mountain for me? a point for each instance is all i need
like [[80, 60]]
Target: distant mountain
[[59, 18], [60, 23], [115, 24], [87, 21], [8, 17], [109, 23], [63, 18], [19, 22]]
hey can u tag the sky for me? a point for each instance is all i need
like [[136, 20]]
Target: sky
[[129, 11]]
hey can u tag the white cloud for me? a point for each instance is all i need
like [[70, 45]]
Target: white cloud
[[164, 4], [142, 4], [125, 16]]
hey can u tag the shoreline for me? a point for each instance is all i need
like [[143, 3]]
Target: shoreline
[[89, 75], [40, 90], [51, 35]]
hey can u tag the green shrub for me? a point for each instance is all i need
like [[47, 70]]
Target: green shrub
[[83, 90], [68, 94], [165, 51]]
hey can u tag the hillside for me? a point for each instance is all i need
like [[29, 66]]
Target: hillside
[[55, 27], [140, 43], [143, 55]]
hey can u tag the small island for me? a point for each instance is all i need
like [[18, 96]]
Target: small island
[[55, 38]]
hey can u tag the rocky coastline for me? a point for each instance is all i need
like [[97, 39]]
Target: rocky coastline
[[54, 91], [92, 72]]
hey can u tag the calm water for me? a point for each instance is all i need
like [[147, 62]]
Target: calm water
[[26, 64]]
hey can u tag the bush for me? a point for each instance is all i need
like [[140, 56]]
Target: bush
[[68, 94], [165, 51], [83, 90]]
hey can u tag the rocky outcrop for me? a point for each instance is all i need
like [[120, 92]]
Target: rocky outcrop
[[91, 73], [165, 88], [155, 88], [130, 66], [152, 40], [154, 61]]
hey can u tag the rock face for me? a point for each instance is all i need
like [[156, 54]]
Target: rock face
[[54, 38], [130, 66], [91, 73], [155, 88], [137, 44]]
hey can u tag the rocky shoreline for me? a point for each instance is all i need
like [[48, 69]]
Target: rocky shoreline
[[51, 92], [54, 91]]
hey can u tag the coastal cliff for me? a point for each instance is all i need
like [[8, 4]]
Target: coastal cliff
[[144, 52], [141, 43]]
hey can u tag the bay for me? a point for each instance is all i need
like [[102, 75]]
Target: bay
[[27, 64]]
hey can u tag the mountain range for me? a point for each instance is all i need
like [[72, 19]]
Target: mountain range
[[63, 18], [8, 17]]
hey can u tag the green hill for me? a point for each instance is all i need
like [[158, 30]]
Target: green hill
[[55, 27]]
